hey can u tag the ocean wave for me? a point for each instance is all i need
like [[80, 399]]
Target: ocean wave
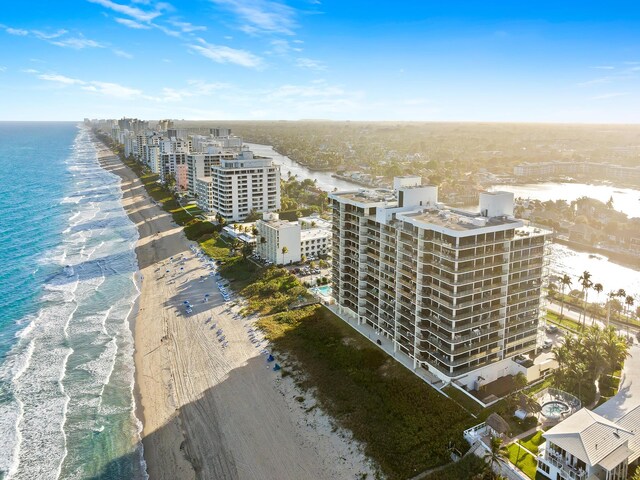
[[70, 376]]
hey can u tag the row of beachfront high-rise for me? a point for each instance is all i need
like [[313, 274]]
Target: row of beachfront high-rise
[[458, 293], [211, 165]]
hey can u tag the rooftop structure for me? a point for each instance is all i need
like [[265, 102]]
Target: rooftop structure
[[589, 446], [238, 185], [458, 292]]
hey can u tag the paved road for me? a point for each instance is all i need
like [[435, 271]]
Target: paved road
[[628, 395], [574, 315]]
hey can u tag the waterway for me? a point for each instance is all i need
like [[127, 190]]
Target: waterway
[[563, 259], [625, 200], [324, 180]]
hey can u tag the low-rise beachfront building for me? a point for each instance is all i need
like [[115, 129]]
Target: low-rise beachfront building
[[458, 293], [588, 446], [315, 242], [314, 221], [237, 186], [274, 234]]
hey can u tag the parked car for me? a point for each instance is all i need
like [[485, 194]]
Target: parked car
[[547, 344], [552, 329]]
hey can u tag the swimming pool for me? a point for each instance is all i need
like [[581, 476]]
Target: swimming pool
[[324, 290]]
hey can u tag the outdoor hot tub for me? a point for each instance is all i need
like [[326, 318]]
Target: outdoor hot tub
[[556, 405], [555, 409]]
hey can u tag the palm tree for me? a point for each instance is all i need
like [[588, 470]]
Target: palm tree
[[496, 455], [594, 350], [247, 250], [615, 349], [628, 302], [285, 250], [565, 281], [529, 404], [621, 293], [586, 284], [610, 296], [598, 288]]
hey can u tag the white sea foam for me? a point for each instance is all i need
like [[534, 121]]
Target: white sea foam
[[51, 404]]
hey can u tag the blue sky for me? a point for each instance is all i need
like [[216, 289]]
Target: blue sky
[[560, 61]]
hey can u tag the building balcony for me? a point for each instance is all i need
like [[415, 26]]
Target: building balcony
[[480, 299], [567, 471], [479, 326]]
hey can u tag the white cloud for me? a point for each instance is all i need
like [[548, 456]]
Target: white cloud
[[17, 31], [77, 43], [187, 27], [49, 36], [282, 47], [310, 64], [54, 77], [224, 54], [605, 96], [3, 69], [112, 90], [134, 12], [603, 67], [595, 81], [108, 89], [122, 53], [261, 16], [167, 31], [127, 22], [58, 38]]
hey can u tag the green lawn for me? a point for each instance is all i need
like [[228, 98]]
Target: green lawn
[[533, 441], [215, 247], [563, 322], [523, 460]]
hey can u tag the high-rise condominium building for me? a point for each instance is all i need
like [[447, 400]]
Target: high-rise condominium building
[[238, 186], [458, 292]]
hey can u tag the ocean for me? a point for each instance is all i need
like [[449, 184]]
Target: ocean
[[68, 276]]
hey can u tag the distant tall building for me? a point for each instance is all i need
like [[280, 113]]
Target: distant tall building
[[458, 292], [238, 186]]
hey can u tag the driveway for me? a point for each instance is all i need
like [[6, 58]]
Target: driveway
[[628, 395]]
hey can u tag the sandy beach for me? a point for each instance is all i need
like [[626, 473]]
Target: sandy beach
[[212, 409]]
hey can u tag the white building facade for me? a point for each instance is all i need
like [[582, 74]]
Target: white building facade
[[458, 292], [274, 234], [236, 187]]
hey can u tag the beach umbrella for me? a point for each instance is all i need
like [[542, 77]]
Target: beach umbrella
[[276, 367], [270, 358]]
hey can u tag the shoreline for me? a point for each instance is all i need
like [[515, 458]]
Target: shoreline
[[187, 386], [103, 153]]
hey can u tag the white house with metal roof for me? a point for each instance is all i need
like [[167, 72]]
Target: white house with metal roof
[[587, 446]]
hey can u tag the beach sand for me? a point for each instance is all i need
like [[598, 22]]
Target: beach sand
[[211, 412]]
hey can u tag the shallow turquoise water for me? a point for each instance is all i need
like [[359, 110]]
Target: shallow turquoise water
[[68, 285]]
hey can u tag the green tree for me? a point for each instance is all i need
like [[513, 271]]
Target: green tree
[[247, 250], [497, 455], [598, 289], [285, 250], [615, 349], [564, 282], [586, 284], [628, 302]]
